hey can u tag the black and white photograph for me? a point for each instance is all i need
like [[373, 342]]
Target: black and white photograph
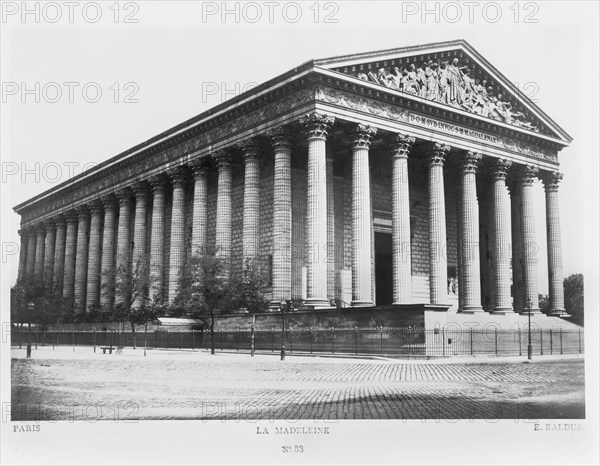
[[304, 232]]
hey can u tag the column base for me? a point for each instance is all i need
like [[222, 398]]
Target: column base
[[471, 310], [559, 313], [317, 302], [357, 303], [502, 311]]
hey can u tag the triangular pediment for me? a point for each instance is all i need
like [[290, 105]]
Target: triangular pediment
[[452, 74]]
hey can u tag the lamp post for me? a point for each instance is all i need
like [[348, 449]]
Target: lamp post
[[30, 306], [283, 306], [529, 348]]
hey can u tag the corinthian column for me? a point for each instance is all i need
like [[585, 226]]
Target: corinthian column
[[317, 126], [501, 238], [469, 234], [530, 246], [250, 238], [438, 262], [362, 260], [176, 258], [555, 270], [81, 259], [157, 239], [139, 264], [223, 222], [59, 256], [49, 248], [30, 265], [123, 262], [282, 217], [94, 260], [38, 271], [70, 254], [107, 277], [401, 250], [200, 216]]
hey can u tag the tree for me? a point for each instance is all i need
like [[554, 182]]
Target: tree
[[247, 288], [46, 310], [205, 285], [544, 301], [147, 313], [131, 285], [573, 286]]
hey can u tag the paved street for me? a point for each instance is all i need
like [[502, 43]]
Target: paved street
[[80, 385]]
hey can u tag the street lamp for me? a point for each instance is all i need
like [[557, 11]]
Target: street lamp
[[283, 305], [30, 306], [529, 348]]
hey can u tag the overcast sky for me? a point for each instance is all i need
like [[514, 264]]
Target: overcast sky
[[180, 59]]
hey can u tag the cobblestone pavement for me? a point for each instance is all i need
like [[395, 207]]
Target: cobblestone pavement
[[63, 385]]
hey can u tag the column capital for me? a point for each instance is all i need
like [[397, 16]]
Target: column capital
[[402, 145], [123, 196], [317, 125], [199, 168], [500, 168], [158, 182], [527, 174], [279, 137], [40, 228], [249, 148], [70, 216], [222, 158], [178, 175], [49, 223], [470, 161], [363, 136], [59, 220], [140, 188], [82, 211], [551, 181], [109, 201], [438, 153], [96, 206]]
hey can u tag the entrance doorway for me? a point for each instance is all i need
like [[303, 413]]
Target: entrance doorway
[[384, 269]]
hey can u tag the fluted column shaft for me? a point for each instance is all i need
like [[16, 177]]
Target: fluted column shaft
[[70, 254], [251, 215], [555, 268], [94, 259], [38, 271], [157, 239], [362, 259], [22, 255], [176, 256], [49, 249], [223, 222], [530, 246], [139, 263], [438, 263], [108, 253], [200, 212], [517, 248], [282, 217], [30, 265], [501, 238], [59, 257], [469, 234], [401, 245], [330, 227], [316, 213], [123, 262], [81, 260]]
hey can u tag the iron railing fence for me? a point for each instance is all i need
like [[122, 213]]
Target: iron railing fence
[[378, 341]]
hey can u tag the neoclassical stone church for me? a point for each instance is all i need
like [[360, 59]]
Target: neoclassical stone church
[[401, 177]]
